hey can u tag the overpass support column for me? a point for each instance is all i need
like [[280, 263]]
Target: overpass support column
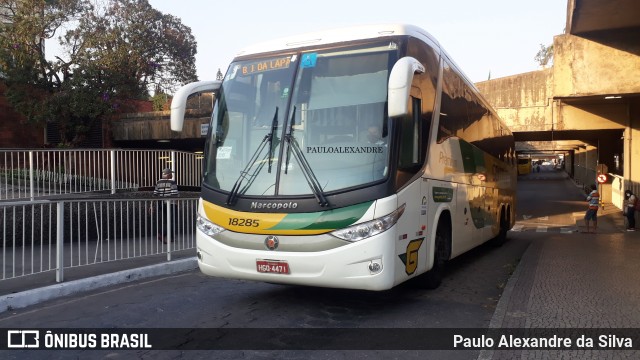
[[591, 165], [586, 160], [569, 161], [632, 153], [579, 165]]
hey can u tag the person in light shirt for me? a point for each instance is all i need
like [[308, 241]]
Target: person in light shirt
[[592, 212]]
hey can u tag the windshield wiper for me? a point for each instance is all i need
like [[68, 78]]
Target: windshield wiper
[[311, 178], [274, 127], [244, 174]]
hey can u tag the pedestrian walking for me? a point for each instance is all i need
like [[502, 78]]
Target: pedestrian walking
[[592, 212], [629, 209]]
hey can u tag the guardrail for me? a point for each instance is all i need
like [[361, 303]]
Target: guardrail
[[43, 172], [41, 236]]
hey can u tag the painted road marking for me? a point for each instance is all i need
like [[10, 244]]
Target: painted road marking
[[544, 228]]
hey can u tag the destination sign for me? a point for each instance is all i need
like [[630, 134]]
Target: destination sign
[[266, 65]]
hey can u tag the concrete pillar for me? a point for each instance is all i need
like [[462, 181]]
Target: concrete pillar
[[569, 163], [591, 165], [580, 164], [586, 161], [632, 149]]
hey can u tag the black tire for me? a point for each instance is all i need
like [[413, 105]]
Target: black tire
[[504, 227], [433, 278]]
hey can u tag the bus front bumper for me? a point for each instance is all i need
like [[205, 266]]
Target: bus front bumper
[[366, 264]]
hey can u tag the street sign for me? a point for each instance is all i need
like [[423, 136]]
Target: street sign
[[204, 129], [602, 178]]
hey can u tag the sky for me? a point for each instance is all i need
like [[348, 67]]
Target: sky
[[496, 37], [485, 38]]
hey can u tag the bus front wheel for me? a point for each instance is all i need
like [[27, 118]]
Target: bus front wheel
[[433, 278]]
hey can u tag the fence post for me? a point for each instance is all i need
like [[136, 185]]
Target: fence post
[[173, 165], [60, 243], [169, 228], [113, 171], [31, 174]]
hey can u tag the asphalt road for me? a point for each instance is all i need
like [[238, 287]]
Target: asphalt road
[[467, 298]]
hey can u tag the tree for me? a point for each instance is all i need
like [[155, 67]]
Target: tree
[[544, 57], [113, 51], [159, 100]]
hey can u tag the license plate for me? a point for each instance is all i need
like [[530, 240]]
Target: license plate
[[272, 266]]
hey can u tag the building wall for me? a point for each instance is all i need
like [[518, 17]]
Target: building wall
[[583, 67], [571, 97], [632, 148], [156, 125], [523, 101], [15, 132], [591, 116]]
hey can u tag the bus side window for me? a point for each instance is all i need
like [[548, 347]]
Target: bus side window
[[410, 138], [410, 157]]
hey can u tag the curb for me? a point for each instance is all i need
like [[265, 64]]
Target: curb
[[36, 296], [501, 309]]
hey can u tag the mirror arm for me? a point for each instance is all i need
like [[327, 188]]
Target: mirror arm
[[400, 85], [179, 101]]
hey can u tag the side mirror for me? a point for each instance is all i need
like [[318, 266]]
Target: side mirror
[[179, 102], [399, 86]]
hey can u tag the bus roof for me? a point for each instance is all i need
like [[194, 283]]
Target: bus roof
[[351, 33], [339, 35]]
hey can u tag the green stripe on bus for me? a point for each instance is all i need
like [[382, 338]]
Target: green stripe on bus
[[325, 220], [472, 158]]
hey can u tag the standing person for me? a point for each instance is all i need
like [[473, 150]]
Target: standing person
[[592, 212], [165, 187], [630, 210]]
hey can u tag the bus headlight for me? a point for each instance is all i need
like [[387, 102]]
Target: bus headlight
[[207, 226], [367, 229]]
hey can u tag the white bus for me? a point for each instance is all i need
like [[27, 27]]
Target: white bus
[[354, 158]]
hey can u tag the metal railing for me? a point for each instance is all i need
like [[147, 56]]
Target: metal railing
[[44, 172], [41, 236]]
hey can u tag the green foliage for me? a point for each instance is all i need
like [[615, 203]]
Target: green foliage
[[158, 101], [113, 51], [545, 55]]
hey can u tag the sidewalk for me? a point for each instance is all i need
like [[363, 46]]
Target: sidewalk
[[582, 281], [610, 220], [28, 290]]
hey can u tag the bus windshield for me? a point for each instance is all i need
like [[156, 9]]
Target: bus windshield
[[302, 123]]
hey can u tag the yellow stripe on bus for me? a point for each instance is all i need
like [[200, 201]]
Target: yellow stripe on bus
[[253, 223]]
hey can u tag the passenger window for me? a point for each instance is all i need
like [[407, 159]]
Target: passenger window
[[410, 137]]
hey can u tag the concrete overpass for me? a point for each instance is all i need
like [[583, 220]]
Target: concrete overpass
[[587, 104]]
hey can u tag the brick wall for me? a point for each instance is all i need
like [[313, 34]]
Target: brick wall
[[15, 132]]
